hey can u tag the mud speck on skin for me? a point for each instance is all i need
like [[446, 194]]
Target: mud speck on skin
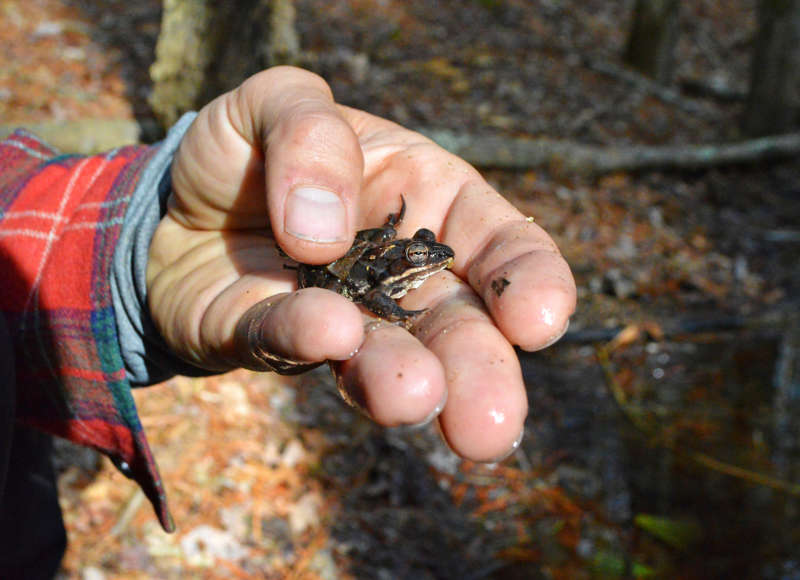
[[499, 285]]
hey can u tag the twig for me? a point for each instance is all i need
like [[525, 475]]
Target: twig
[[644, 84], [131, 508], [711, 90], [745, 474]]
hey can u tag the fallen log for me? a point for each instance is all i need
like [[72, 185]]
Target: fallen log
[[570, 158], [487, 151], [84, 136]]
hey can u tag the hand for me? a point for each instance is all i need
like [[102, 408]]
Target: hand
[[276, 160]]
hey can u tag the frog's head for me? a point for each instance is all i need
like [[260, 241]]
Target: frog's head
[[413, 261]]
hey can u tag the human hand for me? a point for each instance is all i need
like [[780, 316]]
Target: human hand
[[276, 160]]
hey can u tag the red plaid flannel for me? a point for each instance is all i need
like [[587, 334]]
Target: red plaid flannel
[[60, 218]]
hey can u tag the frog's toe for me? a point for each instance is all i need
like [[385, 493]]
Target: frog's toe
[[408, 317]]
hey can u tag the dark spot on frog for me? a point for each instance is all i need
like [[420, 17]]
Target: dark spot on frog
[[499, 285]]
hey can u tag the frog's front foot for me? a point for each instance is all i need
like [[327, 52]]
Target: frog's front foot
[[385, 307]]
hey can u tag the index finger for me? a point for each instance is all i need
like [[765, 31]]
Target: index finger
[[509, 261], [513, 264]]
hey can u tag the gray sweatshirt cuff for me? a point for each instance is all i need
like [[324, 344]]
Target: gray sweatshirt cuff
[[147, 358]]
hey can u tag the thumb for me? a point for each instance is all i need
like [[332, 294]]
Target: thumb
[[313, 162]]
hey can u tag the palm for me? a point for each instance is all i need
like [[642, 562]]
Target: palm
[[214, 257]]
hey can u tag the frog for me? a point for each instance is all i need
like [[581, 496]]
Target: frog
[[380, 268]]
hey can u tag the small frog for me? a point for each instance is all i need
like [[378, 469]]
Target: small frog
[[379, 268]]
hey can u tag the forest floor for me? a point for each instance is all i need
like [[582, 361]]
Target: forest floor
[[271, 477]]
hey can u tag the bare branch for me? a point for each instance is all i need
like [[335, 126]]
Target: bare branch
[[567, 157]]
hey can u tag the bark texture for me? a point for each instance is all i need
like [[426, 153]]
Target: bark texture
[[774, 100], [206, 48], [652, 39]]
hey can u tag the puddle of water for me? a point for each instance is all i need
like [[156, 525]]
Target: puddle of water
[[692, 428]]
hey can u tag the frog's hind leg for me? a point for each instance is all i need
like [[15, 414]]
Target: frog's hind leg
[[381, 305]]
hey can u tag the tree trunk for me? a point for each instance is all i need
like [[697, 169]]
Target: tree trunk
[[774, 100], [206, 48], [652, 39]]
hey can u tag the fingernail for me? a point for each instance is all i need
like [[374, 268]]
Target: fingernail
[[351, 392], [555, 337], [514, 446], [551, 340], [315, 214], [437, 410]]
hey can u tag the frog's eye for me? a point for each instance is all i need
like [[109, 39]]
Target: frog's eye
[[417, 253], [425, 235]]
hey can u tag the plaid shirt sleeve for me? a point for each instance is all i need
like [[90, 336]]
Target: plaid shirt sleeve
[[60, 219]]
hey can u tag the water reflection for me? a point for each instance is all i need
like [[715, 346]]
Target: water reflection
[[685, 453]]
